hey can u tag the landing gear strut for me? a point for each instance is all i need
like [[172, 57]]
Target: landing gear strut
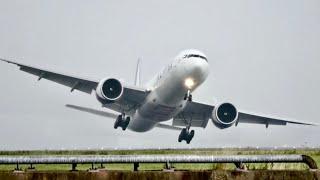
[[186, 135], [122, 121], [188, 96]]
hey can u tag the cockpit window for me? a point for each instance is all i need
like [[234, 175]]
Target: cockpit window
[[195, 55]]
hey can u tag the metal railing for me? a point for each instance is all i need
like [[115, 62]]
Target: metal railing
[[238, 160]]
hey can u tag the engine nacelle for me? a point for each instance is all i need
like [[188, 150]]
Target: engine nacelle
[[109, 89], [224, 115]]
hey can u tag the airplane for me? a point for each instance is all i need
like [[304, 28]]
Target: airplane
[[168, 96]]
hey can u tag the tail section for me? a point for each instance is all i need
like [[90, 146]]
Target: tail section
[[137, 79]]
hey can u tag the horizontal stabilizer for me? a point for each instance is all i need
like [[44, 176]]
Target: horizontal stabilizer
[[114, 116], [165, 126], [92, 111]]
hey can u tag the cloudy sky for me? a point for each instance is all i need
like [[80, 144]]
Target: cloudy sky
[[263, 55]]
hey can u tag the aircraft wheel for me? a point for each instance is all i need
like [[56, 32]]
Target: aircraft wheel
[[182, 135], [179, 139], [188, 141], [117, 122], [191, 134], [127, 121], [184, 132], [185, 97]]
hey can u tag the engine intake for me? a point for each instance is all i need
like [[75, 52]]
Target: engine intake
[[109, 89], [225, 115]]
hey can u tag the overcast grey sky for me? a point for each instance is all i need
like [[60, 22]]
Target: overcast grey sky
[[263, 55]]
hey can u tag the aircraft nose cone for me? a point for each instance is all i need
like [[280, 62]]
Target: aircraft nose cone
[[200, 69]]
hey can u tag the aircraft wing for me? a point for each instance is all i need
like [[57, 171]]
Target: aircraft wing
[[256, 119], [132, 96], [197, 115], [81, 84]]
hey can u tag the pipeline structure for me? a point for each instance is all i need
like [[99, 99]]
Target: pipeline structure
[[238, 160]]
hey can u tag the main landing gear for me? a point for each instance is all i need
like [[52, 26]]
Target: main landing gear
[[188, 96], [122, 121], [186, 135]]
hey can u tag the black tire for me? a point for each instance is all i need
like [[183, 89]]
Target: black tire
[[182, 135], [127, 121], [191, 134], [188, 141], [184, 132], [116, 123]]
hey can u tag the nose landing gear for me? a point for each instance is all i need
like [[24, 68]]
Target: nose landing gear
[[188, 96], [122, 121], [186, 135]]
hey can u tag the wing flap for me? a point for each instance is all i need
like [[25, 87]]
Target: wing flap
[[134, 95], [194, 114]]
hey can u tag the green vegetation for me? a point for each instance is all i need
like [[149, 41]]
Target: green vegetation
[[314, 153]]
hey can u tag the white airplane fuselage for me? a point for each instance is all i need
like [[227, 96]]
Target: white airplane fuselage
[[168, 89]]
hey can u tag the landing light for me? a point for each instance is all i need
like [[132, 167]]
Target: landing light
[[189, 83]]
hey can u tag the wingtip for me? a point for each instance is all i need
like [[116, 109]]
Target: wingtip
[[7, 61], [3, 60], [307, 124], [69, 105], [310, 124]]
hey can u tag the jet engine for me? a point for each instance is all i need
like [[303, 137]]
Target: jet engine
[[109, 89], [224, 115]]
